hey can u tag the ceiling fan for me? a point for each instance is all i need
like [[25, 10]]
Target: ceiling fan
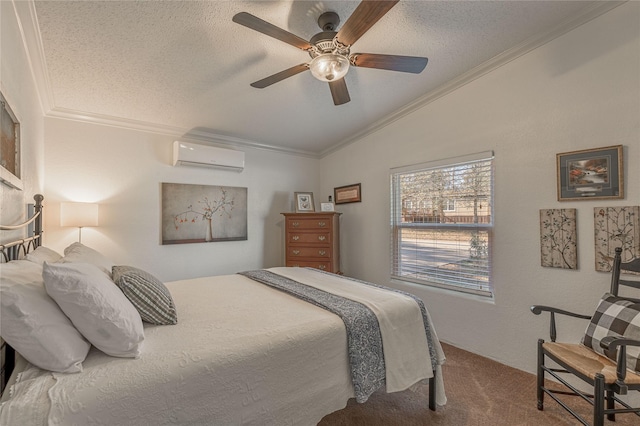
[[330, 50]]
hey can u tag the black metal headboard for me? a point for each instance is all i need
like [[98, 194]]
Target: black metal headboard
[[13, 251]]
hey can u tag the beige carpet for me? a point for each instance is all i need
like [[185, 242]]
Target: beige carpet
[[479, 391]]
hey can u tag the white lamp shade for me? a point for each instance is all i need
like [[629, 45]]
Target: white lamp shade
[[78, 214]]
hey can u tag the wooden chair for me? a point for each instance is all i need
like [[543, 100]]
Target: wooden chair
[[614, 331]]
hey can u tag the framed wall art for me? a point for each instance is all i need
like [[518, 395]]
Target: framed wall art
[[203, 213], [347, 194], [9, 146], [558, 238], [304, 202], [616, 227], [590, 174]]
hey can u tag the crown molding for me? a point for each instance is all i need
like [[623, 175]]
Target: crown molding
[[106, 120], [203, 135], [532, 43], [210, 136], [27, 19]]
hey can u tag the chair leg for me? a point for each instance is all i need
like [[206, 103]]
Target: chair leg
[[598, 400], [540, 382], [610, 405]]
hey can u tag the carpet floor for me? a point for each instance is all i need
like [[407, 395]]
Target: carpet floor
[[479, 392]]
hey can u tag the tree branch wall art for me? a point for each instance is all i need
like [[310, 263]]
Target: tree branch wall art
[[616, 227], [558, 238], [203, 213]]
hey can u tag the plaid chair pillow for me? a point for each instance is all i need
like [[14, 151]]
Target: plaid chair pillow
[[615, 316]]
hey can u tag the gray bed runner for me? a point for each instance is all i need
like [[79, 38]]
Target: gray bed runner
[[425, 318], [364, 339]]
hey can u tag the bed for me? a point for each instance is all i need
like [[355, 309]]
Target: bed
[[279, 346]]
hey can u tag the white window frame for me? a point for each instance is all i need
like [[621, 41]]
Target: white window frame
[[408, 271]]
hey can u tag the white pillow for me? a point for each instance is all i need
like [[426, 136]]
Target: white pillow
[[78, 253], [43, 254], [96, 306], [33, 324]]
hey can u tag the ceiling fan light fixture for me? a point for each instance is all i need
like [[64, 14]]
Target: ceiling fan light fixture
[[329, 66]]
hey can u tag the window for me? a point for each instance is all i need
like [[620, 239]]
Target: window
[[441, 223]]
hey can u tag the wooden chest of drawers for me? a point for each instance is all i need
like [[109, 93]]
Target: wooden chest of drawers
[[313, 240]]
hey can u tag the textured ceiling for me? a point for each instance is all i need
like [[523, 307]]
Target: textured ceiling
[[185, 65]]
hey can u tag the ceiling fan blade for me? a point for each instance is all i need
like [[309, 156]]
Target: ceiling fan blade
[[255, 23], [339, 91], [261, 84], [366, 14], [412, 64]]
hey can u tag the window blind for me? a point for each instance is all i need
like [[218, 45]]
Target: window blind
[[442, 221]]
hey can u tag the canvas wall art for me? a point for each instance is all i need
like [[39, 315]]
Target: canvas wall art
[[616, 227], [203, 213], [558, 238]]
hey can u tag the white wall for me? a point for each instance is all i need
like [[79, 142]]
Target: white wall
[[122, 171], [579, 91], [17, 86]]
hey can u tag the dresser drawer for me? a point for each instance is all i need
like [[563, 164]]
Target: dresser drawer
[[323, 266], [308, 223], [294, 252], [294, 237]]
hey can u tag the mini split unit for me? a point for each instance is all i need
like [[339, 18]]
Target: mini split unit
[[191, 154]]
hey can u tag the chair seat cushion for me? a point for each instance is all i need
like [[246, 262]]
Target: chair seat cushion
[[587, 362], [618, 317]]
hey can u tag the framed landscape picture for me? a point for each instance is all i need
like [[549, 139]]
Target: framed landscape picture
[[590, 174]]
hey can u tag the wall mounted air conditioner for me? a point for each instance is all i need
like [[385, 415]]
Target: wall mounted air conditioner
[[191, 154]]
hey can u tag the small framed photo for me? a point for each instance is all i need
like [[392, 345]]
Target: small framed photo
[[347, 194], [590, 174], [327, 207], [304, 202]]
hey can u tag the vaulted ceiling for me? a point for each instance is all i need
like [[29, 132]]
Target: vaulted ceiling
[[185, 68]]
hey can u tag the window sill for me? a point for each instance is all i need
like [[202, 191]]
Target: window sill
[[444, 290]]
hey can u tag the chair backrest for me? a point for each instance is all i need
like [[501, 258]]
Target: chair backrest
[[616, 282]]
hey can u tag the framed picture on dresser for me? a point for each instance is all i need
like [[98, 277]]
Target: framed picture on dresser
[[304, 202]]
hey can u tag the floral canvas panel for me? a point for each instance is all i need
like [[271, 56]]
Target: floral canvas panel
[[558, 238], [616, 227], [203, 213]]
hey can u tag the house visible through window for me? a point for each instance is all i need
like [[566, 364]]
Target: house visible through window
[[442, 221]]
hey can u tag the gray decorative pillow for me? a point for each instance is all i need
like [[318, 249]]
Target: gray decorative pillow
[[615, 316], [148, 294]]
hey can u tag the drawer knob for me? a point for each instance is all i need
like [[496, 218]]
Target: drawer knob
[[322, 237], [296, 252], [295, 238], [322, 252], [295, 224], [322, 267], [322, 224]]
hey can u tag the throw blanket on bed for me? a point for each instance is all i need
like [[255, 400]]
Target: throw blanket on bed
[[425, 317], [364, 339]]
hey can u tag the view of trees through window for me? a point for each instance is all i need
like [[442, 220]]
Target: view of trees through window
[[441, 224]]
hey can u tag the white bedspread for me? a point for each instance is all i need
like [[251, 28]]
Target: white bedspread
[[236, 354], [406, 353]]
